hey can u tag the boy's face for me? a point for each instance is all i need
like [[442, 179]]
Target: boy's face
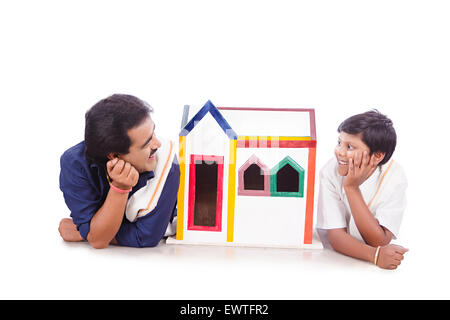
[[143, 146], [348, 145]]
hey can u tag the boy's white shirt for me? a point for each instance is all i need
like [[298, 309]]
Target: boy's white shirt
[[387, 204]]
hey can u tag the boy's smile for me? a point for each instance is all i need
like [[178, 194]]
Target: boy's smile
[[348, 144]]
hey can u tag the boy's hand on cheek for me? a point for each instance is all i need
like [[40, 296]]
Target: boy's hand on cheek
[[360, 168], [124, 176]]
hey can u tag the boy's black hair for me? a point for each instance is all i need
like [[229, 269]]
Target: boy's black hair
[[107, 125], [377, 132]]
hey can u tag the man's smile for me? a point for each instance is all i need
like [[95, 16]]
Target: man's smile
[[152, 154]]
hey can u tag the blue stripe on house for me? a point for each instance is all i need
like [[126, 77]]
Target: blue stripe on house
[[215, 113], [185, 116]]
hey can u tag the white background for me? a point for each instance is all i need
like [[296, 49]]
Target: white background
[[340, 57]]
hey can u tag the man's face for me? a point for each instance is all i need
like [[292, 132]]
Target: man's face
[[143, 146], [347, 145]]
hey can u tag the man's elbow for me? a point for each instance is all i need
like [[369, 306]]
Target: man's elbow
[[98, 244]]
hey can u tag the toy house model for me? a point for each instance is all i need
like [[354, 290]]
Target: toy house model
[[247, 177]]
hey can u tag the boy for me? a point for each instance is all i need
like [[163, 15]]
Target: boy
[[362, 192], [100, 174]]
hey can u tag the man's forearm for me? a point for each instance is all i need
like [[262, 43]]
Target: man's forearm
[[369, 228], [106, 222]]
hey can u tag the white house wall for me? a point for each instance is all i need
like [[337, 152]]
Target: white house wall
[[268, 123], [277, 221], [207, 138]]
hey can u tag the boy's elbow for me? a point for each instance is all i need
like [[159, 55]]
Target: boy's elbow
[[379, 242], [383, 238]]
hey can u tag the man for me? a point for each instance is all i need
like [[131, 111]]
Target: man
[[101, 174]]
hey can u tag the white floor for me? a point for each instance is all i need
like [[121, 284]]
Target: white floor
[[36, 264], [340, 58], [52, 269]]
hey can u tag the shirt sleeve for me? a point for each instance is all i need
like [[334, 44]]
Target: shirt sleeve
[[148, 230], [81, 197], [392, 203], [330, 207]]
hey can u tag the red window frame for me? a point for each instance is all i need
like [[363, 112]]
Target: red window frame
[[219, 160]]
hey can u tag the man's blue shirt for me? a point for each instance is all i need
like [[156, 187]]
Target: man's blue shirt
[[85, 188]]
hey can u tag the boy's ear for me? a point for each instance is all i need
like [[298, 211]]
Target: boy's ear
[[379, 156]]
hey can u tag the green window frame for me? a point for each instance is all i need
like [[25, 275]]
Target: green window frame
[[273, 179]]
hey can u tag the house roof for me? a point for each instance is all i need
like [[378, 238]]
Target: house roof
[[272, 122], [258, 127], [215, 113]]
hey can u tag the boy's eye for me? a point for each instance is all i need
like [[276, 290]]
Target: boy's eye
[[350, 147]]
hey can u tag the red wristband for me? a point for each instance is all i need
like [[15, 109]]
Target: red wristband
[[119, 190]]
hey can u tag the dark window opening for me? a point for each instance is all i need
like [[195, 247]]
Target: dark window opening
[[253, 178], [205, 193], [287, 179]]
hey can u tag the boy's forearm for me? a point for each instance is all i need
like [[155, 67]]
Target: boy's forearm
[[106, 222], [369, 228], [344, 243]]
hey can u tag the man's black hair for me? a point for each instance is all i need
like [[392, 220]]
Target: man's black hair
[[377, 132], [107, 125]]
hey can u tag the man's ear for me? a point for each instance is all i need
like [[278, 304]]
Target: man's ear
[[112, 155], [379, 156]]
